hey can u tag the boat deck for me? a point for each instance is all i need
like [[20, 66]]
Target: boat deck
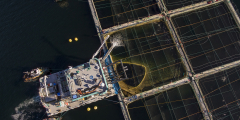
[[62, 87], [86, 77]]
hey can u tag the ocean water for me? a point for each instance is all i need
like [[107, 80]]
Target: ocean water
[[35, 34]]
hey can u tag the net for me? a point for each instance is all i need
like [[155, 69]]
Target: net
[[210, 37], [151, 57], [176, 104], [222, 95], [115, 12]]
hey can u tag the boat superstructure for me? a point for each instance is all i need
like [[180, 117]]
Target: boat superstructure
[[74, 87], [33, 74]]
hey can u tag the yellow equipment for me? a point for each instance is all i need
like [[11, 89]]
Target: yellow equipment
[[76, 39], [88, 109]]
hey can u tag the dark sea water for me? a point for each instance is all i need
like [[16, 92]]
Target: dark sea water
[[35, 33]]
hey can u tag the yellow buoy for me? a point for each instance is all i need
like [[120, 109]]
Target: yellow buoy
[[76, 39], [70, 40], [95, 107], [88, 109]]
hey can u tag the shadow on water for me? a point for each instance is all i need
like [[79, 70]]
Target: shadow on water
[[64, 56], [62, 59]]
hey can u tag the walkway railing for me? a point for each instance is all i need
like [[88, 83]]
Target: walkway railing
[[132, 24], [156, 90], [190, 8], [233, 12]]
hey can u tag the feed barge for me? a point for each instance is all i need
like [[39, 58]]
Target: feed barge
[[74, 87]]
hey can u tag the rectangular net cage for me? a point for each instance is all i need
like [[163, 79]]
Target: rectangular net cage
[[115, 12], [210, 37], [222, 95], [150, 55], [178, 103]]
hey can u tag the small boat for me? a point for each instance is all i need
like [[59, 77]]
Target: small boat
[[34, 74]]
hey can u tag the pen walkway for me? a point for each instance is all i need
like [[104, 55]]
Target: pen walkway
[[191, 78]]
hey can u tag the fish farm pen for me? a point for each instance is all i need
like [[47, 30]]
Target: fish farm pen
[[182, 57]]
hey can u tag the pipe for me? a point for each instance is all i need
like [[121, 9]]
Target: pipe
[[100, 46], [109, 51], [45, 82]]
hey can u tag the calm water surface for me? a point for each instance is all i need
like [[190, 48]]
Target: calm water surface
[[35, 33]]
